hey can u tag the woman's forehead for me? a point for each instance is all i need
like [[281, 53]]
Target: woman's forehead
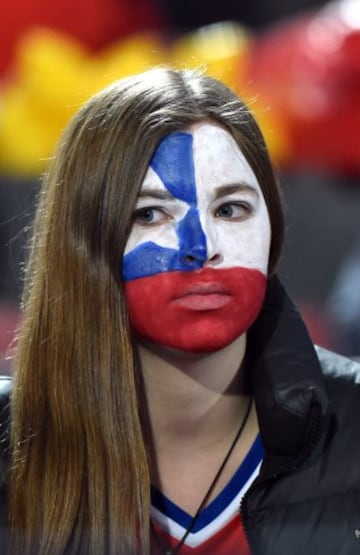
[[202, 156]]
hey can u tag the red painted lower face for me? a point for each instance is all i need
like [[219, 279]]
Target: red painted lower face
[[200, 311]]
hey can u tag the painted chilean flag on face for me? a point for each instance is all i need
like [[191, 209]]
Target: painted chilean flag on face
[[195, 262]]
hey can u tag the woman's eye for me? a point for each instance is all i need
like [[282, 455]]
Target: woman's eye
[[233, 211], [149, 216]]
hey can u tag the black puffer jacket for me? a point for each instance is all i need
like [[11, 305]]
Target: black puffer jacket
[[306, 500]]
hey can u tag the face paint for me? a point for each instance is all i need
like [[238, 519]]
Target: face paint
[[174, 177], [196, 258]]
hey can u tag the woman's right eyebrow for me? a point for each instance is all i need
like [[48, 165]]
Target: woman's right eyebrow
[[155, 193]]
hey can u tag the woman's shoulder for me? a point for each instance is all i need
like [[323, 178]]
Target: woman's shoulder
[[342, 378], [338, 368], [5, 393]]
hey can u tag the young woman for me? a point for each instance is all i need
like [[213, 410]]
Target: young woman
[[167, 398]]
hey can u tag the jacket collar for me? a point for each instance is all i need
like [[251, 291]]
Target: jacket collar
[[286, 376]]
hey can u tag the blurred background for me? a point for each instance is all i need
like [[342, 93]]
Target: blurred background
[[297, 64]]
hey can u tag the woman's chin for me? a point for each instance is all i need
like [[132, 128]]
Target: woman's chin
[[190, 348]]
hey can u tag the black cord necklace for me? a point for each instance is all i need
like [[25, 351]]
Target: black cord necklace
[[175, 550]]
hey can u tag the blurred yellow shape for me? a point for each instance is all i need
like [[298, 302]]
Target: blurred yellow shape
[[221, 48], [132, 55], [54, 76]]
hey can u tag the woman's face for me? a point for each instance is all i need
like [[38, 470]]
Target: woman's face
[[196, 259]]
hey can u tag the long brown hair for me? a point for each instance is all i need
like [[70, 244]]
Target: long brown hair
[[79, 477]]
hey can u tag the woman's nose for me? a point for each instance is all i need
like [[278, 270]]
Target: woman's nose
[[197, 248], [214, 255], [192, 240]]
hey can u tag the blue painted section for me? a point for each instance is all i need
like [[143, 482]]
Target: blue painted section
[[149, 259], [174, 164]]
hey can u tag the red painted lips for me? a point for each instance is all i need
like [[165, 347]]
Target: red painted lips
[[203, 296]]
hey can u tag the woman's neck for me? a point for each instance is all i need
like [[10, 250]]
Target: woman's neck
[[193, 398]]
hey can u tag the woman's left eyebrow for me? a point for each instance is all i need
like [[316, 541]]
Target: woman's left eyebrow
[[229, 189]]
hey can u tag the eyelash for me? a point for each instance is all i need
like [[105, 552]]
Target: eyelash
[[142, 211], [246, 210]]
